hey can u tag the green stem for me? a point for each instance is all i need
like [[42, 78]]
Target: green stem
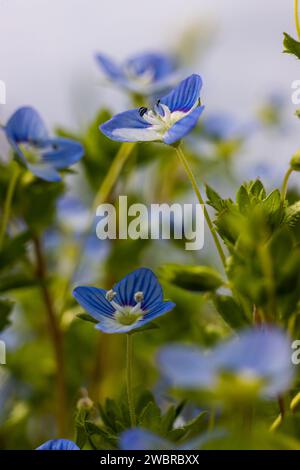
[[296, 14], [56, 336], [103, 193], [285, 184], [190, 174], [113, 173], [129, 380], [212, 419], [8, 201]]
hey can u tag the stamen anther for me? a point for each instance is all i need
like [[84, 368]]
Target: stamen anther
[[110, 294], [142, 110], [139, 296]]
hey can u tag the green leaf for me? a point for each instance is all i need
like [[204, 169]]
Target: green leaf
[[292, 214], [6, 307], [150, 418], [291, 46], [142, 329], [87, 317], [243, 199], [273, 207], [13, 249], [230, 311], [192, 278], [214, 199], [16, 280], [257, 189]]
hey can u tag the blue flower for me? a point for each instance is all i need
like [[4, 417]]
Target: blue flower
[[172, 117], [135, 300], [141, 439], [262, 355], [144, 74], [44, 156], [58, 444]]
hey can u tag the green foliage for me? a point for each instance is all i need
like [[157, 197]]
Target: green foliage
[[6, 307], [231, 311], [291, 46], [192, 278]]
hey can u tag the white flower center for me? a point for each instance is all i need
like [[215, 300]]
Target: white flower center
[[145, 78], [162, 122], [127, 314]]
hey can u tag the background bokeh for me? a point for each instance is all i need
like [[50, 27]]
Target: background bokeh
[[47, 60], [48, 46]]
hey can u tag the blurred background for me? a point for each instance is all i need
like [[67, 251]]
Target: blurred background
[[47, 58], [47, 55]]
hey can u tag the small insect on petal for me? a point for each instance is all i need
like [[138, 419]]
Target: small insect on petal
[[142, 110]]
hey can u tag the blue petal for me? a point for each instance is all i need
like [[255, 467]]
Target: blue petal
[[112, 70], [58, 444], [157, 310], [43, 171], [264, 352], [186, 367], [128, 126], [183, 127], [93, 300], [65, 152], [26, 125], [185, 95], [140, 280], [159, 65], [140, 439], [110, 325]]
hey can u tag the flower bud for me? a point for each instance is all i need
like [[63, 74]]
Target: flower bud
[[295, 161], [85, 404]]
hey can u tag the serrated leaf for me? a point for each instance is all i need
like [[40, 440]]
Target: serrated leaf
[[192, 278], [142, 329], [292, 214], [87, 317], [214, 199], [6, 307], [257, 189], [230, 311], [291, 46], [243, 199]]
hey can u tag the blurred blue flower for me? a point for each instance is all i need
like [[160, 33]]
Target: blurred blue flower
[[73, 214], [144, 74], [223, 126], [58, 444], [135, 300], [258, 354], [44, 156], [141, 439], [172, 117]]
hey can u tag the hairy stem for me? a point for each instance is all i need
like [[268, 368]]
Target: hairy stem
[[285, 184], [113, 173], [102, 195], [8, 201], [296, 14], [192, 179], [55, 335], [129, 380]]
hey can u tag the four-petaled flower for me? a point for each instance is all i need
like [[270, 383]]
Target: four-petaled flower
[[172, 117], [58, 444], [135, 300], [144, 74], [260, 356], [44, 156]]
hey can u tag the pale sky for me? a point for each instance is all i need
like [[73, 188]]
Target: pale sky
[[47, 48]]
